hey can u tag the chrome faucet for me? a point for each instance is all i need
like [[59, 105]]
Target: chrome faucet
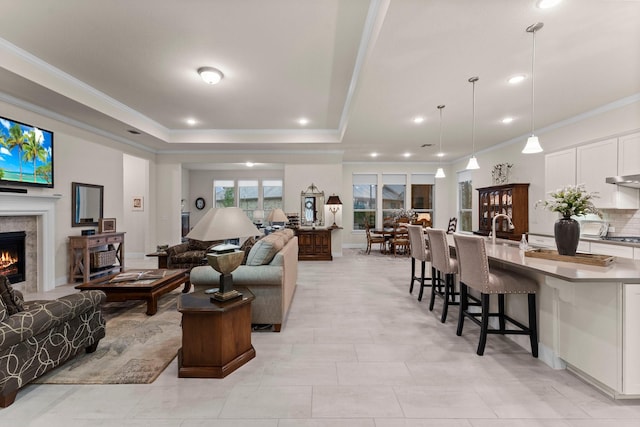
[[493, 226]]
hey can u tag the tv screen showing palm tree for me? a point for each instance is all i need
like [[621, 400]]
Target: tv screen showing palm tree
[[26, 154]]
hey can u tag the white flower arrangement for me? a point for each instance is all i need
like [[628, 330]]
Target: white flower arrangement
[[571, 200]]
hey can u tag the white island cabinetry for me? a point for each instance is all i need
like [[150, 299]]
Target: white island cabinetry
[[631, 340]]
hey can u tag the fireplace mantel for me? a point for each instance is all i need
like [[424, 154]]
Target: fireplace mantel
[[43, 207]]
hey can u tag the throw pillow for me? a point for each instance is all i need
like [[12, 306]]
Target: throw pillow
[[246, 247], [4, 313], [265, 249], [9, 298]]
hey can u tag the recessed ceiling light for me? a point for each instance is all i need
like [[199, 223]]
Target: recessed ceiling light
[[546, 4], [133, 132], [507, 120], [303, 121], [250, 164], [440, 154], [418, 119], [210, 75], [374, 154], [518, 78], [407, 154], [191, 122]]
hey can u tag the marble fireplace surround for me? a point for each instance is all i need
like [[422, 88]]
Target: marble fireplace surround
[[43, 208]]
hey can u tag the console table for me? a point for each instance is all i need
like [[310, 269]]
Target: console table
[[314, 244], [80, 249]]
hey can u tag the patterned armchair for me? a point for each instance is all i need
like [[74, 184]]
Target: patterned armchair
[[37, 336], [190, 254]]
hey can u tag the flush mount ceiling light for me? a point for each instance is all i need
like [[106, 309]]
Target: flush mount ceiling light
[[374, 154], [506, 120], [191, 122], [546, 4], [303, 121], [418, 120], [533, 145], [250, 164], [473, 162], [440, 171], [210, 75], [406, 155], [519, 78]]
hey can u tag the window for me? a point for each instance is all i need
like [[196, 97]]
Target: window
[[393, 193], [271, 194], [248, 196], [465, 201], [422, 186], [252, 194], [224, 194], [365, 196]]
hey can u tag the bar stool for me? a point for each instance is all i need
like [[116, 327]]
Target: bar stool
[[419, 252], [476, 273], [441, 260]]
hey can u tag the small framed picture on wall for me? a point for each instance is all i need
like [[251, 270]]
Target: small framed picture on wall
[[137, 203], [107, 225]]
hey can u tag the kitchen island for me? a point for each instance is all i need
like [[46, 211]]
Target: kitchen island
[[587, 316]]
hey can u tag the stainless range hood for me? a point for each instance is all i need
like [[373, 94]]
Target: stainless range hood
[[632, 181]]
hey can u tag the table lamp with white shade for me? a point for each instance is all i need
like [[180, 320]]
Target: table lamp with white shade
[[224, 224], [277, 216]]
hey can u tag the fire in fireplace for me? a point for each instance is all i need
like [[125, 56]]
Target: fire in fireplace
[[12, 255]]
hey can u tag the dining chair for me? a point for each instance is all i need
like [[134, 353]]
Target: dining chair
[[442, 261], [476, 273], [419, 252], [399, 242], [374, 238]]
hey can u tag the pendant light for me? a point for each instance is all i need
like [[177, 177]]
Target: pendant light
[[533, 145], [473, 163], [440, 171]]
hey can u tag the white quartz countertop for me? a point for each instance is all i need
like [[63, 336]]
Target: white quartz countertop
[[508, 253]]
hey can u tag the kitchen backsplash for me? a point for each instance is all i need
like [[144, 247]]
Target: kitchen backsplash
[[625, 221]]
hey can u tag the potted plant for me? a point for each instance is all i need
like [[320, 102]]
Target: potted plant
[[572, 200]]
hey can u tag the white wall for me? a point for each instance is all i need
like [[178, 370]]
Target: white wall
[[136, 184]]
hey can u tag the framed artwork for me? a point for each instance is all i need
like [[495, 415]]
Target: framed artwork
[[137, 203], [107, 225]]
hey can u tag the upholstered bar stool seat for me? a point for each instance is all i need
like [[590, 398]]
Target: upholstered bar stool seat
[[442, 261], [476, 274], [419, 252]]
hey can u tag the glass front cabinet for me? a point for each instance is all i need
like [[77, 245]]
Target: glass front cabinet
[[508, 199]]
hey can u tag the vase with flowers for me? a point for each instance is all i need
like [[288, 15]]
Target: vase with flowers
[[572, 200]]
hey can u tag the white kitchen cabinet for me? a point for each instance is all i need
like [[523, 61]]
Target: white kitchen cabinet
[[636, 253], [594, 163], [631, 340], [559, 169], [629, 154], [612, 250]]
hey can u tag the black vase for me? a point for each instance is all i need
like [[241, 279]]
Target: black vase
[[567, 234]]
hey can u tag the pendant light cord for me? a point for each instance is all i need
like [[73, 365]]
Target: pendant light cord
[[440, 107], [473, 81], [533, 82]]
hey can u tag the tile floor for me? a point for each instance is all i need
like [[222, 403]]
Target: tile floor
[[357, 351]]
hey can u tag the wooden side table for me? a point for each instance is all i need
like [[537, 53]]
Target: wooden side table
[[162, 258], [216, 336]]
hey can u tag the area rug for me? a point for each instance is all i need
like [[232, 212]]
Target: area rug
[[135, 350]]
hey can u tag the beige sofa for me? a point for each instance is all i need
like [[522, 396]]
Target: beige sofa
[[270, 273]]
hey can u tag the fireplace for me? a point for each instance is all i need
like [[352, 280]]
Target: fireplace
[[12, 255]]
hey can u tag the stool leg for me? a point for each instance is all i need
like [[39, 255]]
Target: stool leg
[[484, 326], [464, 305], [501, 312], [433, 289], [413, 274], [421, 280], [533, 325], [445, 303]]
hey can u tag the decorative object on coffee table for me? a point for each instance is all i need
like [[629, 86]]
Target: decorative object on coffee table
[[224, 224], [572, 200]]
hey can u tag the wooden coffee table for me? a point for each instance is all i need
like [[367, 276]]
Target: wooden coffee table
[[149, 290]]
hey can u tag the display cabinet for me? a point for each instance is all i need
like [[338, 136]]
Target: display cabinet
[[314, 244], [508, 199]]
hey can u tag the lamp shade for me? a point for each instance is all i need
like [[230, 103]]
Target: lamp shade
[[258, 215], [277, 215], [532, 146], [473, 163], [334, 200], [223, 224], [440, 173]]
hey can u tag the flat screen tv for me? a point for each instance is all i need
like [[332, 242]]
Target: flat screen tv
[[26, 154]]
